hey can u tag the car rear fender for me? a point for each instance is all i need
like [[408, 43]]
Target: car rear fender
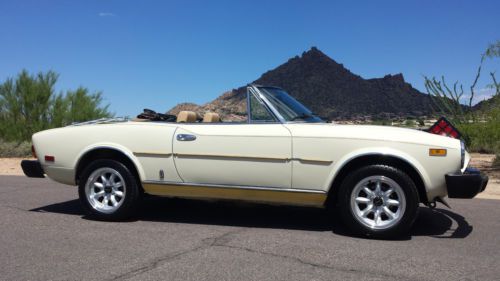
[[112, 146]]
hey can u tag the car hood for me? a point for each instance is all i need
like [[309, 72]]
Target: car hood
[[369, 132]]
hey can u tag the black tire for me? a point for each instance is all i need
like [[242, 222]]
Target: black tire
[[131, 191], [405, 183]]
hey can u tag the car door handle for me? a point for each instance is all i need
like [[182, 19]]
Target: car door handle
[[186, 137]]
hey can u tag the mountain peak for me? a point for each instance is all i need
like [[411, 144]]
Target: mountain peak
[[331, 90], [312, 63], [314, 52]]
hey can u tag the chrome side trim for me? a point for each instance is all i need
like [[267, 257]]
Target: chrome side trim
[[264, 158], [285, 159], [151, 154], [101, 121], [318, 161]]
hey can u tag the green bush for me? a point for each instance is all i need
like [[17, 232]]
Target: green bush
[[29, 103], [482, 137], [15, 149]]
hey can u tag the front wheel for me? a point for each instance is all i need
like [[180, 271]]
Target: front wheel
[[379, 201], [108, 190]]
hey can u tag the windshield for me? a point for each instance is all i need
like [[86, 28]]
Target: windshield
[[289, 108]]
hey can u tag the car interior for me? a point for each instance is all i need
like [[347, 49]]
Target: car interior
[[182, 117]]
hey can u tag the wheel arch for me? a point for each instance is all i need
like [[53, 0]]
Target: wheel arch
[[365, 159], [108, 152]]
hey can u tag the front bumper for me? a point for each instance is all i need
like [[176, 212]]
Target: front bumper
[[32, 168], [467, 184]]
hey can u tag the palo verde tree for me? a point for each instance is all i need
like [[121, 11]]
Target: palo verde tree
[[29, 104]]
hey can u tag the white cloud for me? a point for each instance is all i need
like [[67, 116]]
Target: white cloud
[[479, 95], [106, 14]]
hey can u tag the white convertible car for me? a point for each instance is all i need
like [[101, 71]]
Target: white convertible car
[[283, 154]]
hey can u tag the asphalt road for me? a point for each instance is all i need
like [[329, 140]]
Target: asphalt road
[[44, 235]]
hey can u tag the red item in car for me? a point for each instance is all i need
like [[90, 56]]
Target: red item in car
[[444, 127]]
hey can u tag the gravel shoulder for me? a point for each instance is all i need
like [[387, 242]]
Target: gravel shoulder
[[12, 166]]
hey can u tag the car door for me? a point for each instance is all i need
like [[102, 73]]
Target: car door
[[256, 155]]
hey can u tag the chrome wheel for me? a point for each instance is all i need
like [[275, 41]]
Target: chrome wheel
[[105, 190], [378, 202]]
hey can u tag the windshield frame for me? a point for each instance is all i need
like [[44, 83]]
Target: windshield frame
[[257, 89]]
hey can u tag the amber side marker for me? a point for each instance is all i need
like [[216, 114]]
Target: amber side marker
[[437, 152]]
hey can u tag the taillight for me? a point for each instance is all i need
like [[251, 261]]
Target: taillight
[[33, 152], [49, 158]]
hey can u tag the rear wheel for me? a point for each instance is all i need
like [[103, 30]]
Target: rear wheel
[[378, 201], [108, 190]]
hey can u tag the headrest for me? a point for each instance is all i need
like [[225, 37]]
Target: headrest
[[211, 117], [186, 117]]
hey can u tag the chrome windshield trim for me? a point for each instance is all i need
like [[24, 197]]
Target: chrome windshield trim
[[253, 90], [271, 107]]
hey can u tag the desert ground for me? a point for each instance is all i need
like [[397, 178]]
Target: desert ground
[[11, 166]]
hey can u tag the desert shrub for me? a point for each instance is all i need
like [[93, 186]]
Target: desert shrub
[[482, 136], [410, 123], [496, 161], [15, 149], [382, 122]]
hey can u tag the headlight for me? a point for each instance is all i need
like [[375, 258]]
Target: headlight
[[462, 154]]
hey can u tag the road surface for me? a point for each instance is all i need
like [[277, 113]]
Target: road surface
[[44, 235]]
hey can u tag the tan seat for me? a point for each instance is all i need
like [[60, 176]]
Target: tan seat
[[140, 120], [211, 117], [186, 117]]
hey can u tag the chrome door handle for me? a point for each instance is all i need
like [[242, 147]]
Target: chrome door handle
[[185, 137]]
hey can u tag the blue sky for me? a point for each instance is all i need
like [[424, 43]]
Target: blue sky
[[155, 54]]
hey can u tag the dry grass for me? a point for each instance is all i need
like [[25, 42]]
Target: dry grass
[[15, 149]]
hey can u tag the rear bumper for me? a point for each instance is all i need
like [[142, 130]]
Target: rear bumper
[[467, 184], [32, 168]]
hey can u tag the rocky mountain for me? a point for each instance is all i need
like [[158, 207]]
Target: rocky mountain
[[328, 89]]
